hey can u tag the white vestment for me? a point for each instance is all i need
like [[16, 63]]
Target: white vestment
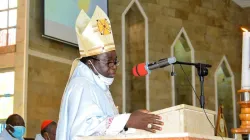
[[39, 137], [87, 107]]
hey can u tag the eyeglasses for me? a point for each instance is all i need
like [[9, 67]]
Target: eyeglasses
[[108, 63]]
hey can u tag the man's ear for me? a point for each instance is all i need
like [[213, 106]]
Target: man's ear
[[45, 135], [89, 62], [90, 65], [8, 128]]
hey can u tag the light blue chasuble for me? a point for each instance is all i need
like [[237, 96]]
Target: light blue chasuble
[[87, 108]]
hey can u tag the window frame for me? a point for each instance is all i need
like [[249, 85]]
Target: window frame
[[8, 48], [7, 95], [2, 122]]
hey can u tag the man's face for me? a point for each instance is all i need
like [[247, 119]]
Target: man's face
[[15, 121], [105, 64], [52, 133]]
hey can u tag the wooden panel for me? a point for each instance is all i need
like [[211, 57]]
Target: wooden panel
[[7, 49]]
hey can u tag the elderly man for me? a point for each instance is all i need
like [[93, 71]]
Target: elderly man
[[15, 128], [87, 107], [48, 131]]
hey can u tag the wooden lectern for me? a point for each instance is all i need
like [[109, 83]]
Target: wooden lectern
[[182, 122], [185, 119]]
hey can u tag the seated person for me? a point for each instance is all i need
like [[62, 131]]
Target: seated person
[[48, 130], [15, 128]]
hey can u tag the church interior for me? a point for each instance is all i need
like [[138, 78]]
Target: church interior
[[35, 67]]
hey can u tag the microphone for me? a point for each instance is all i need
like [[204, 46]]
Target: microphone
[[143, 69]]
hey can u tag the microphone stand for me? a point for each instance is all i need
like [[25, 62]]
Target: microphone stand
[[202, 72]]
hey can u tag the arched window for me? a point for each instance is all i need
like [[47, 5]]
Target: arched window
[[134, 51], [225, 93], [182, 92]]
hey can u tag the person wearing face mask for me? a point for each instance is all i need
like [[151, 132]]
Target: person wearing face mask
[[87, 107], [15, 128]]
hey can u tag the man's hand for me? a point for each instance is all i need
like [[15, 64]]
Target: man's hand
[[140, 119]]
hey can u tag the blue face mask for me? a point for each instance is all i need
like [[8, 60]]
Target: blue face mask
[[18, 131]]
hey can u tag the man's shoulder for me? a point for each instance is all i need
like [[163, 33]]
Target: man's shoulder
[[4, 135], [80, 84], [80, 81], [2, 138], [39, 137]]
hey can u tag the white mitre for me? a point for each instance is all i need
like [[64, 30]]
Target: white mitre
[[94, 35]]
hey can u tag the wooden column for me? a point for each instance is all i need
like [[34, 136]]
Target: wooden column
[[245, 112]]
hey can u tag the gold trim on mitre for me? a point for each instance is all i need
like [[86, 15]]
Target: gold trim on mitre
[[94, 35]]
